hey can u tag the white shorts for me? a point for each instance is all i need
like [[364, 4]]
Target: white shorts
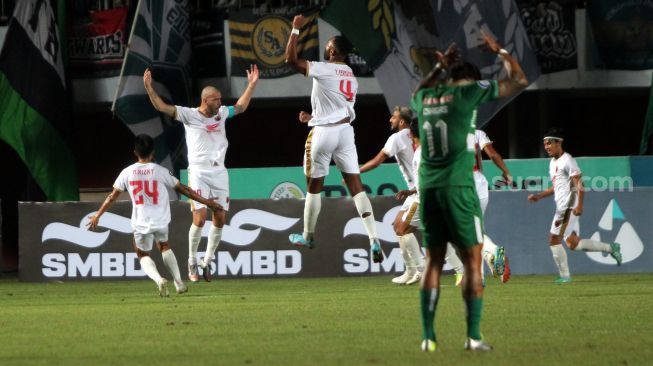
[[209, 182], [410, 210], [326, 142], [144, 241], [565, 226]]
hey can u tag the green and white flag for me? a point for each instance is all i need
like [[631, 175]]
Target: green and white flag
[[160, 41], [34, 105]]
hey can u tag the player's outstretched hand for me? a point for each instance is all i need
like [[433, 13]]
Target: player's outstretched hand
[[490, 43], [147, 78], [533, 198], [304, 117], [252, 74], [93, 221], [450, 56], [298, 21]]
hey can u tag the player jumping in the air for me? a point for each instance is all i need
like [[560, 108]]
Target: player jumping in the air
[[332, 98]]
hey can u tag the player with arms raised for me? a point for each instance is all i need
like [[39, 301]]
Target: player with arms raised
[[332, 98], [206, 139], [450, 209]]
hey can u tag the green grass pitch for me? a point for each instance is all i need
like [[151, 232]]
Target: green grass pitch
[[596, 320]]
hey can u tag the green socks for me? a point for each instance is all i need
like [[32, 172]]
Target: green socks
[[428, 301], [474, 311]]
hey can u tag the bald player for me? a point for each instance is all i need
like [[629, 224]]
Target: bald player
[[207, 143]]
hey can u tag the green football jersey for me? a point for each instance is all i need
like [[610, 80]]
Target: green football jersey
[[447, 121]]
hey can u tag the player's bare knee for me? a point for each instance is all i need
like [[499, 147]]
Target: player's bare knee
[[572, 241], [140, 253], [163, 246]]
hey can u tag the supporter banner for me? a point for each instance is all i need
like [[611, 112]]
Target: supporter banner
[[97, 48], [623, 32], [207, 38], [262, 40], [398, 39], [34, 106], [55, 245], [160, 41], [551, 28]]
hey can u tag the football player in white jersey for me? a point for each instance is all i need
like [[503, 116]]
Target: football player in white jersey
[[147, 184], [332, 99], [493, 255], [400, 146], [568, 192], [207, 143]]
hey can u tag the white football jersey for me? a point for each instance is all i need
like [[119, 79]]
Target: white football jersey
[[480, 141], [561, 170], [147, 185], [334, 92], [400, 145], [417, 158], [206, 138]]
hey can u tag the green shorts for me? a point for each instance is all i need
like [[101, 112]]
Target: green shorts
[[451, 214]]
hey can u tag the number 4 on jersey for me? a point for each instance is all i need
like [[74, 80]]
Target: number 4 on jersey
[[345, 89]]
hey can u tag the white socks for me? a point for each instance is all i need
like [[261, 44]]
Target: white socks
[[170, 262], [194, 237], [312, 207], [364, 206], [149, 267], [489, 248], [560, 258], [215, 233], [410, 251], [452, 258], [589, 245]]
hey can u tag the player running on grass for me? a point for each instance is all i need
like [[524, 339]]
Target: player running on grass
[[400, 146], [567, 189], [450, 209], [332, 98], [206, 139], [147, 183]]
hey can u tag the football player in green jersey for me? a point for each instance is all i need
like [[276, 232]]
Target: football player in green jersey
[[446, 103]]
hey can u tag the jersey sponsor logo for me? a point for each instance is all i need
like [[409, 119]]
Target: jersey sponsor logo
[[213, 127], [429, 111], [631, 244], [435, 100], [286, 190], [268, 40]]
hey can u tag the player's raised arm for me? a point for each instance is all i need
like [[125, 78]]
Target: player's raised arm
[[292, 60], [516, 79], [243, 102], [156, 100], [111, 198]]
